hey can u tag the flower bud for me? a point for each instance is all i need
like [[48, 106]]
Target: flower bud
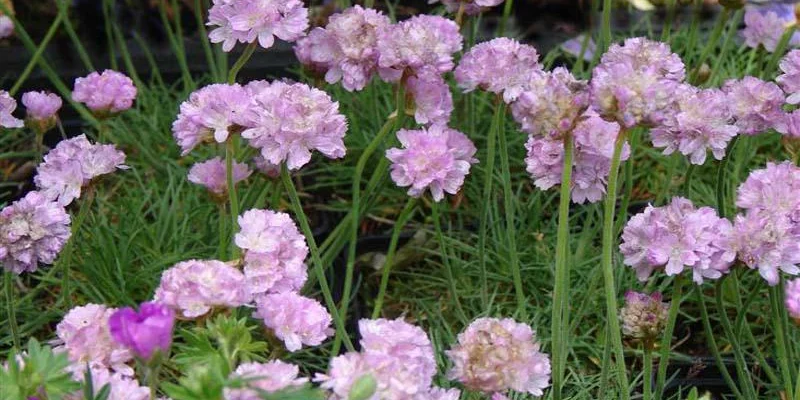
[[643, 316]]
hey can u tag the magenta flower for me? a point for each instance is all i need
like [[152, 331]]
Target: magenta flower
[[194, 287], [765, 25], [471, 7], [502, 66], [33, 230], [41, 106], [421, 42], [756, 105], [268, 377], [84, 334], [294, 319], [213, 175], [210, 114], [289, 121], [793, 298], [551, 103], [644, 315], [6, 27], [108, 93], [495, 355], [432, 98], [144, 332], [790, 79], [7, 106], [437, 159], [246, 21]]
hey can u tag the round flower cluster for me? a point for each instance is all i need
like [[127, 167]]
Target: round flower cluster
[[700, 122], [495, 355], [294, 319], [432, 98], [288, 121], [346, 48], [246, 21], [105, 94], [765, 25], [469, 7], [85, 336], [643, 316], [594, 148], [7, 107], [635, 83], [42, 109], [195, 287], [790, 79], [121, 386], [436, 159], [267, 377], [209, 114], [33, 229], [756, 105], [274, 252], [212, 175], [551, 104], [678, 236], [793, 298], [72, 164], [502, 66]]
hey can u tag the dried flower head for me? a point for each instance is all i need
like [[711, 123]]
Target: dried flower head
[[643, 317], [551, 104]]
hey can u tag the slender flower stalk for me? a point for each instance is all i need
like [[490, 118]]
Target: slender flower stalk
[[233, 198], [741, 363], [319, 268], [666, 340], [446, 259], [647, 378], [712, 42], [246, 54], [10, 311], [488, 180], [712, 344], [65, 260], [779, 321], [402, 220]]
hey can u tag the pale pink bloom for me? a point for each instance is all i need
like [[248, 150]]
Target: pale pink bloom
[[7, 106], [84, 334], [267, 377], [432, 98], [294, 319], [246, 21], [502, 65], [213, 174], [421, 42], [193, 288], [108, 93], [33, 230], [209, 115]]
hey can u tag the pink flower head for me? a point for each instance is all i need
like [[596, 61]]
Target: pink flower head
[[143, 332], [346, 49], [6, 26], [421, 42], [33, 230], [432, 98], [644, 315], [405, 343], [594, 140], [288, 121], [576, 47], [85, 336], [210, 114], [213, 175], [195, 287], [756, 105], [72, 164], [437, 159], [274, 252], [790, 79], [635, 83], [495, 355], [792, 124], [678, 236], [7, 106], [767, 242], [501, 65], [267, 377], [246, 21], [41, 106], [471, 7], [121, 386], [700, 122], [551, 104], [108, 93], [793, 298], [772, 190], [294, 319], [765, 25]]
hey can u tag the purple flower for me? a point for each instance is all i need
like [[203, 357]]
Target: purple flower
[[274, 252], [346, 49], [575, 45], [267, 377], [108, 93], [41, 105], [213, 175], [195, 287], [792, 124], [767, 242], [550, 104], [793, 298], [246, 21], [437, 159], [471, 7], [33, 230], [500, 65], [773, 190], [432, 98], [144, 332], [421, 42], [288, 121], [756, 105], [495, 355], [404, 343], [643, 316], [700, 122], [678, 236], [765, 25], [209, 114], [294, 319], [84, 334], [7, 106], [6, 27], [790, 79]]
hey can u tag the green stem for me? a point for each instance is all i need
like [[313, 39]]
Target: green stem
[[605, 366], [687, 182], [666, 340], [723, 53], [626, 199], [647, 379], [605, 29], [722, 171], [668, 21], [65, 260], [76, 41], [779, 51], [448, 269], [10, 309], [488, 179], [402, 220], [319, 269], [727, 328], [711, 44], [38, 54], [177, 44], [201, 28], [779, 327], [233, 197], [607, 262], [246, 54], [561, 288], [223, 229], [112, 57], [507, 8], [712, 344]]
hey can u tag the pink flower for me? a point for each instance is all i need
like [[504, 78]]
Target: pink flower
[[405, 343], [246, 21], [41, 105], [769, 243], [6, 27], [790, 79], [501, 65], [267, 377], [772, 190], [210, 114], [756, 105], [793, 298], [108, 93], [437, 159], [432, 98], [195, 287], [121, 386], [765, 25], [421, 42], [85, 336], [33, 230], [288, 121], [7, 106], [792, 122], [213, 175], [471, 7], [294, 319], [495, 355], [550, 104]]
